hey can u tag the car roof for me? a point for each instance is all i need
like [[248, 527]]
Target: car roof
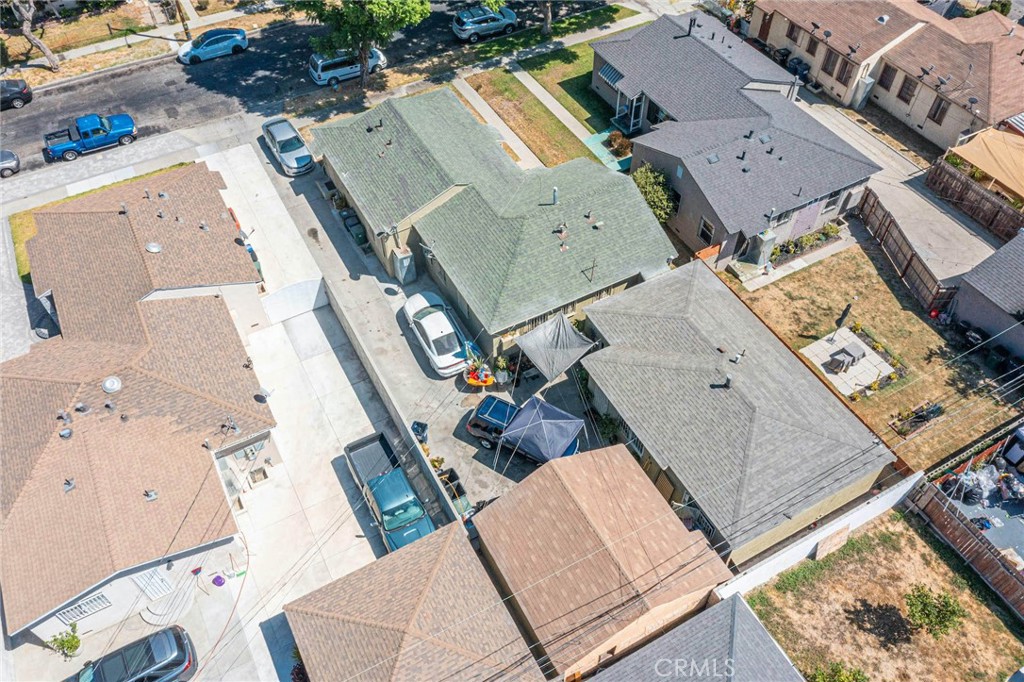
[[475, 13], [7, 154], [14, 83], [437, 325], [282, 126], [392, 488], [214, 32], [496, 410]]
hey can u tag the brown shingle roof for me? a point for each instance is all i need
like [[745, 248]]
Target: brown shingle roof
[[177, 390], [853, 23], [588, 536], [79, 251], [428, 611], [997, 79], [953, 47]]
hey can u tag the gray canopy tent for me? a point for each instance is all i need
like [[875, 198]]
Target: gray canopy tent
[[543, 432], [554, 346]]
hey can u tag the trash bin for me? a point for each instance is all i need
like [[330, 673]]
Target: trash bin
[[419, 429]]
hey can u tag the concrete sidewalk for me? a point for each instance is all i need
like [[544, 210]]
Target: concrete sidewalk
[[527, 159], [166, 31], [552, 104]]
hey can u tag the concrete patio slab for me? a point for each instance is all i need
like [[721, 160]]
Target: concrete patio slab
[[869, 369]]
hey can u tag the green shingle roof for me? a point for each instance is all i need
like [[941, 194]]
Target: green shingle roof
[[497, 236]]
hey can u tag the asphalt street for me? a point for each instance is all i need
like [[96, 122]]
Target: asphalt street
[[165, 96]]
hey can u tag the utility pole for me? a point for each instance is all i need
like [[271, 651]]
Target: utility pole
[[184, 19]]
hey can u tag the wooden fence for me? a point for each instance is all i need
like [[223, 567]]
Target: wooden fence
[[972, 198], [969, 542], [912, 270]]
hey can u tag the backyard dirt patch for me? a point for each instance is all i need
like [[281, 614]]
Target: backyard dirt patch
[[96, 61], [894, 133], [205, 7], [849, 607], [802, 308], [86, 28], [527, 116], [249, 22]]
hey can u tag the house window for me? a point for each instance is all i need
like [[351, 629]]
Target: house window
[[679, 171], [938, 111], [655, 114], [812, 46], [832, 200], [84, 608], [907, 89], [831, 59], [632, 442], [845, 71], [782, 218], [885, 81], [706, 233], [793, 33]]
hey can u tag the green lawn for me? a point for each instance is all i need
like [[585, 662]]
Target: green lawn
[[565, 73], [538, 128], [521, 40]]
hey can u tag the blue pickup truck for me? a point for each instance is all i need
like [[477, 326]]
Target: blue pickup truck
[[88, 134], [397, 512]]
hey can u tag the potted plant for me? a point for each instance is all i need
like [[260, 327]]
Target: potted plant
[[501, 369], [66, 643]]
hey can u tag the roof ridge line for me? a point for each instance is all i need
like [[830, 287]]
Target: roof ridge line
[[427, 585], [311, 611], [201, 395]]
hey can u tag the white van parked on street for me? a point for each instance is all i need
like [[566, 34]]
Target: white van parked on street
[[342, 66]]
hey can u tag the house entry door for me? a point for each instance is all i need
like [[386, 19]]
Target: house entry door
[[636, 107]]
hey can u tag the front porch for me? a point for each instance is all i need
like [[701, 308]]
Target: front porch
[[629, 112]]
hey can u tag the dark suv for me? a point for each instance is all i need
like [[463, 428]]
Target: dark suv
[[165, 656], [14, 93]]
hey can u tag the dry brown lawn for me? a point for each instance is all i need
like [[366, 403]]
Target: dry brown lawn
[[84, 29], [802, 307], [249, 22], [536, 126], [205, 7], [850, 608], [94, 62]]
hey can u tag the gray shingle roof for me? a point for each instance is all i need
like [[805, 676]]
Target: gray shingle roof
[[775, 443], [495, 237], [703, 85], [692, 77], [1000, 277], [727, 638]]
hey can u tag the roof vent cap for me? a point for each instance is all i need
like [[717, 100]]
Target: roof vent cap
[[69, 484], [150, 495], [82, 408], [65, 434], [111, 384], [883, 20], [154, 247]]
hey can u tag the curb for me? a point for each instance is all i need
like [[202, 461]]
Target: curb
[[74, 80]]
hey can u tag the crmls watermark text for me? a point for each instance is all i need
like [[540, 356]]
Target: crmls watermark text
[[693, 669]]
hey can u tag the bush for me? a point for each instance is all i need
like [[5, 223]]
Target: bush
[[935, 613], [620, 144], [66, 643], [838, 672], [830, 230], [202, 5], [856, 327], [807, 241], [653, 186], [954, 160]]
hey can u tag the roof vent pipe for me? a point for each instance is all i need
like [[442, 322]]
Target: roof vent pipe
[[883, 20], [728, 381], [63, 416], [81, 408], [65, 434], [150, 495], [124, 209], [111, 384], [109, 405], [69, 484], [554, 197]]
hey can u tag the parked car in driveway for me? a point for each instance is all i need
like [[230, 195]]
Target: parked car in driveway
[[214, 43], [342, 66], [479, 22], [164, 656], [88, 134], [433, 323], [14, 93], [397, 512], [9, 163], [287, 146], [537, 430]]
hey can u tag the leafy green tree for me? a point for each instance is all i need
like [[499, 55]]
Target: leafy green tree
[[653, 186], [360, 25], [838, 672], [545, 11], [25, 12], [935, 613]]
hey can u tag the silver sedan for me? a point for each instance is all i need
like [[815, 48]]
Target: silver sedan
[[9, 163], [287, 146]]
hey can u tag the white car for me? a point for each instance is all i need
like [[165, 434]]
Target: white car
[[342, 66], [215, 43], [440, 337]]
